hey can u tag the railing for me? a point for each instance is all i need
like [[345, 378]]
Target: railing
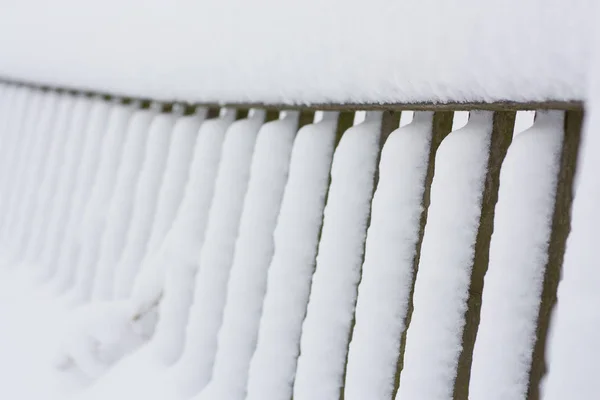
[[466, 236]]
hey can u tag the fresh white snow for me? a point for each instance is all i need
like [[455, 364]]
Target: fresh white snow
[[314, 51], [120, 209], [65, 188], [387, 271], [86, 323], [273, 366], [175, 178], [92, 224], [518, 255], [144, 205], [31, 326], [42, 129], [178, 256], [573, 343], [75, 200], [225, 260], [573, 346], [143, 374], [46, 184], [120, 315], [12, 128], [434, 337], [253, 254], [21, 167], [326, 328], [194, 368]]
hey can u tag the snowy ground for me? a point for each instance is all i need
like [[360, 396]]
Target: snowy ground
[[30, 327]]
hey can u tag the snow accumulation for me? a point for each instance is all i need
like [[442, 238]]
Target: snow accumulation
[[573, 345], [39, 154], [314, 51], [221, 259], [174, 178], [62, 199], [253, 254], [273, 365], [434, 336], [43, 196], [144, 206], [194, 368], [89, 228], [70, 246], [388, 267], [92, 223], [179, 251], [518, 255], [173, 255], [119, 211], [327, 326], [34, 107]]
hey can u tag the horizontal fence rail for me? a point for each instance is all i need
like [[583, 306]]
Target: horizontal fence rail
[[507, 105]]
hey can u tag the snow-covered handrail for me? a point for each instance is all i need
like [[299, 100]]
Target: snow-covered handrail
[[308, 52], [437, 105]]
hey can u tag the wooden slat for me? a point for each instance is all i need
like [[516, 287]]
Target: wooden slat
[[561, 226], [390, 121], [212, 112], [345, 120], [502, 132], [306, 117], [241, 113], [441, 127]]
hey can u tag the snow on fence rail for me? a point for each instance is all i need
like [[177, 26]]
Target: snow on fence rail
[[310, 256]]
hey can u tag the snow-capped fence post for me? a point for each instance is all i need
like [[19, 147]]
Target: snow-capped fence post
[[47, 179], [502, 132], [561, 226], [339, 262], [441, 127], [518, 256], [119, 211], [215, 255], [42, 132], [65, 189], [390, 121], [297, 236], [21, 164]]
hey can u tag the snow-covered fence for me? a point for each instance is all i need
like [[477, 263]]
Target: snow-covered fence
[[226, 254]]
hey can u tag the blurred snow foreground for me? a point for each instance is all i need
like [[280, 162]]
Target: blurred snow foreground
[[150, 250]]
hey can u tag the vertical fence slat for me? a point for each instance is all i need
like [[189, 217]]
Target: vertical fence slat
[[561, 226], [274, 361], [338, 264], [389, 122], [502, 131], [441, 127]]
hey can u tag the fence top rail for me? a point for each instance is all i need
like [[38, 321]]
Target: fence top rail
[[417, 106]]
